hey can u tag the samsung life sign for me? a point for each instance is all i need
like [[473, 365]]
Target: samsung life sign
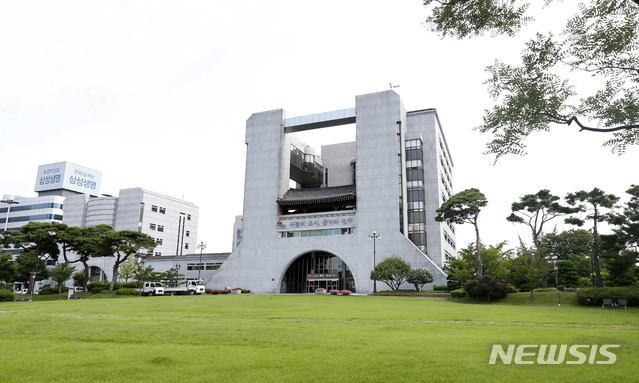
[[69, 176], [554, 354]]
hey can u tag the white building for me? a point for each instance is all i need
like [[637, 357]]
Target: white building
[[171, 221], [389, 181]]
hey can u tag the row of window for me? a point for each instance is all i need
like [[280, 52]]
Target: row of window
[[158, 209], [449, 240], [32, 207], [39, 217], [317, 233], [156, 227], [203, 266]]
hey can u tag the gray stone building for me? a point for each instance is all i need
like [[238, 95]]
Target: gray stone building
[[389, 181]]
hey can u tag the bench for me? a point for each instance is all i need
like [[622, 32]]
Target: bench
[[623, 302], [606, 302], [19, 299], [75, 296]]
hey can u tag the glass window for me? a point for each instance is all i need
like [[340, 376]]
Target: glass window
[[162, 210], [154, 208], [152, 226], [160, 228]]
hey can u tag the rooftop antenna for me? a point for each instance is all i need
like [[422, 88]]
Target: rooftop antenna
[[393, 86]]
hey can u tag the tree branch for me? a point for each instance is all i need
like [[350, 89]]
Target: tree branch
[[605, 130]]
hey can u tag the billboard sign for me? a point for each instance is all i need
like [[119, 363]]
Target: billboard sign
[[69, 176]]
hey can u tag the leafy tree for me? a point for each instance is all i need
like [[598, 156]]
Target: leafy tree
[[8, 269], [122, 245], [128, 269], [60, 273], [464, 207], [79, 278], [459, 273], [535, 210], [392, 271], [494, 260], [592, 202], [418, 277], [528, 269], [572, 245], [172, 277], [601, 39], [144, 274], [86, 243], [486, 285], [38, 242]]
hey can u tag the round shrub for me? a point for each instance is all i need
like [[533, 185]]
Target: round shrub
[[95, 289], [486, 286], [6, 296], [459, 293], [441, 288]]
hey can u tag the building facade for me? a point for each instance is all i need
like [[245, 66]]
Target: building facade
[[389, 181]]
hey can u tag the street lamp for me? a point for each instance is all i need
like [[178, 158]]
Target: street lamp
[[8, 201], [554, 261], [201, 246], [374, 237]]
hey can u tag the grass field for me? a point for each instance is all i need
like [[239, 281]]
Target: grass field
[[305, 338]]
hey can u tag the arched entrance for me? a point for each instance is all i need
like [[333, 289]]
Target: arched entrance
[[317, 269]]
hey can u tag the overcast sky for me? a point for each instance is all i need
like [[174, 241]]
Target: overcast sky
[[155, 94]]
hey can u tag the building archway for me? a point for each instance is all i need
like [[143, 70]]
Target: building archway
[[317, 269], [96, 274]]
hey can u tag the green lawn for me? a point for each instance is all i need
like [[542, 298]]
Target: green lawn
[[303, 338]]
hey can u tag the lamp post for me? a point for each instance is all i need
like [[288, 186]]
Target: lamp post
[[554, 261], [8, 201], [201, 246], [374, 237]]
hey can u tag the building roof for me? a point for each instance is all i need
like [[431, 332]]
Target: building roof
[[318, 195]]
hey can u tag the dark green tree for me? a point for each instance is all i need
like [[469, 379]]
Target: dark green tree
[[86, 243], [8, 268], [601, 39], [418, 277], [38, 243], [464, 207], [124, 244], [486, 285], [593, 202], [392, 271], [572, 245], [61, 273], [567, 274], [535, 210]]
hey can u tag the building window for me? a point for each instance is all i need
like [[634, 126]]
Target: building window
[[186, 245], [188, 233], [213, 266], [154, 208], [160, 228], [152, 226], [157, 253], [158, 241], [162, 210], [188, 217]]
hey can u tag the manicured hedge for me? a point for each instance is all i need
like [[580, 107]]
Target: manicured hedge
[[594, 296], [6, 296], [127, 291], [51, 291], [459, 293]]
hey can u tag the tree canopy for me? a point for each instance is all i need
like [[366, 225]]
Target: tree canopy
[[464, 207], [601, 40]]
